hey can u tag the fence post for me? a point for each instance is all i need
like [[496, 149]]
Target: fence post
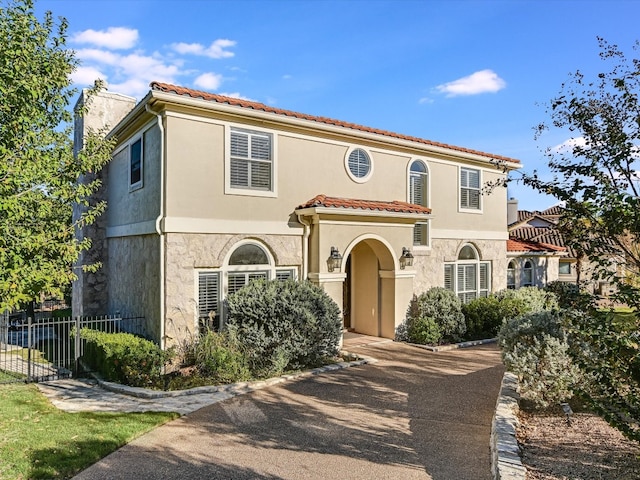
[[77, 346], [29, 325]]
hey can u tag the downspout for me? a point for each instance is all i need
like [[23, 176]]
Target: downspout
[[159, 227], [305, 246]]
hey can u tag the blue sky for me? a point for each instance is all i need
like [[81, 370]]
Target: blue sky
[[472, 73]]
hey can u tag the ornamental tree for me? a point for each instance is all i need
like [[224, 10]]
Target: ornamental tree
[[40, 179], [596, 172]]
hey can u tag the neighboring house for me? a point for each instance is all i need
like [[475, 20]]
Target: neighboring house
[[206, 193], [535, 235]]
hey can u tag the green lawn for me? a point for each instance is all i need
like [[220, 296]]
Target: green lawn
[[38, 441]]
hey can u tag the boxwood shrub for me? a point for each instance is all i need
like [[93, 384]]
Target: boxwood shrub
[[435, 317], [124, 358], [284, 325]]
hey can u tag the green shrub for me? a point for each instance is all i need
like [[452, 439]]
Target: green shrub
[[535, 347], [437, 307], [484, 317], [218, 357], [569, 295], [284, 325], [124, 358], [526, 300]]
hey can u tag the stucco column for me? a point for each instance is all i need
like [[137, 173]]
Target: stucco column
[[396, 290]]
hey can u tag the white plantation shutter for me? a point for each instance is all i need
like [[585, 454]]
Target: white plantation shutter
[[359, 163], [470, 188], [485, 282], [251, 163], [282, 275], [208, 294], [421, 233], [449, 277], [237, 280]]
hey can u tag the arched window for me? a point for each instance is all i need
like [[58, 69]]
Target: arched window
[[527, 274], [248, 261], [511, 274], [419, 195], [469, 277]]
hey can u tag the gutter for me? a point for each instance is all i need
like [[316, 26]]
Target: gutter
[[159, 230]]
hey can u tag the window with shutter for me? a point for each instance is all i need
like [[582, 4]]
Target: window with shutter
[[285, 274], [527, 274], [251, 163], [449, 277], [470, 188], [237, 280], [468, 277], [358, 165], [209, 298], [511, 275], [418, 195]]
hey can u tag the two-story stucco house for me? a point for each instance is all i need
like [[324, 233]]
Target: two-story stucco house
[[206, 193]]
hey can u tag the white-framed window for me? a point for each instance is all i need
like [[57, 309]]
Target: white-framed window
[[248, 261], [136, 163], [470, 196], [511, 275], [564, 267], [358, 165], [251, 161], [527, 274], [468, 277], [419, 195]]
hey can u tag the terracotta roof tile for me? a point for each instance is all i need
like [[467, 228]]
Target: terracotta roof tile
[[335, 202], [520, 245], [211, 97]]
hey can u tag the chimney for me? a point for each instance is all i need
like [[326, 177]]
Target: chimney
[[512, 211]]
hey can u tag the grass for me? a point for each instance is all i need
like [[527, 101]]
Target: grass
[[38, 441]]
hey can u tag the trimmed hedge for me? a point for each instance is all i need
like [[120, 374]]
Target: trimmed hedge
[[435, 317], [124, 358]]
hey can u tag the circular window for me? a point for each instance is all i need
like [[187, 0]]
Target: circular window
[[359, 165]]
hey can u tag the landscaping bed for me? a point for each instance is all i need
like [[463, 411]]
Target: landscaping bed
[[587, 449]]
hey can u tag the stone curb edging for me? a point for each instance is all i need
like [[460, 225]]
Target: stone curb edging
[[505, 452], [235, 388], [454, 346]]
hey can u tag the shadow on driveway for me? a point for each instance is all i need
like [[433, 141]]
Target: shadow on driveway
[[413, 415]]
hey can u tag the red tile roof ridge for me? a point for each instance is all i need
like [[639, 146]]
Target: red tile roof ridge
[[521, 245], [169, 88], [353, 203]]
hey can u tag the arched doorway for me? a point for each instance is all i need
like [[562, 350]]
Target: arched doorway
[[368, 291]]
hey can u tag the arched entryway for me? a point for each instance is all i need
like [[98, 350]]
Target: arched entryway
[[369, 292]]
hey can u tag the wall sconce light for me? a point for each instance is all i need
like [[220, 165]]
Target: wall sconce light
[[335, 260], [406, 259]]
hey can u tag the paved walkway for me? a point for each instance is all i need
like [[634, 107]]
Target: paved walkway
[[412, 415]]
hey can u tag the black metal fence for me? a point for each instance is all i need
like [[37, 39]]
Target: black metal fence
[[49, 349]]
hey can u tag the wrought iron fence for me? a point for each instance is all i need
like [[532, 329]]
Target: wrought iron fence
[[49, 349]]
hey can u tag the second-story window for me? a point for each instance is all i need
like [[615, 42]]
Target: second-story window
[[470, 188], [419, 195], [251, 164], [135, 164]]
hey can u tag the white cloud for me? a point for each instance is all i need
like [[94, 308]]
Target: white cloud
[[135, 87], [208, 81], [215, 50], [568, 145], [97, 55], [114, 38], [238, 96], [425, 100], [484, 81], [86, 76]]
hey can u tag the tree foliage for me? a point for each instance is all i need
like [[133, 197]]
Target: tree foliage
[[596, 172], [39, 176]]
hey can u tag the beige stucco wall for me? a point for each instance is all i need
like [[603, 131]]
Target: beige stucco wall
[[130, 207]]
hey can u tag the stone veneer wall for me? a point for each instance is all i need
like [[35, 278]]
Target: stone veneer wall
[[187, 253], [134, 279], [429, 264]]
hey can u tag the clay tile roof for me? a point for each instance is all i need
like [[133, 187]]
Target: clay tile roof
[[520, 245], [211, 97], [335, 202]]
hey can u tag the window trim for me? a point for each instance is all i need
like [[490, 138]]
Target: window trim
[[140, 183], [352, 176], [229, 189], [462, 208], [511, 275], [528, 270]]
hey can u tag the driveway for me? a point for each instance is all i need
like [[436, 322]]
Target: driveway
[[413, 415]]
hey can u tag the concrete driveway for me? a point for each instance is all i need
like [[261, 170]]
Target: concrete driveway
[[413, 415]]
